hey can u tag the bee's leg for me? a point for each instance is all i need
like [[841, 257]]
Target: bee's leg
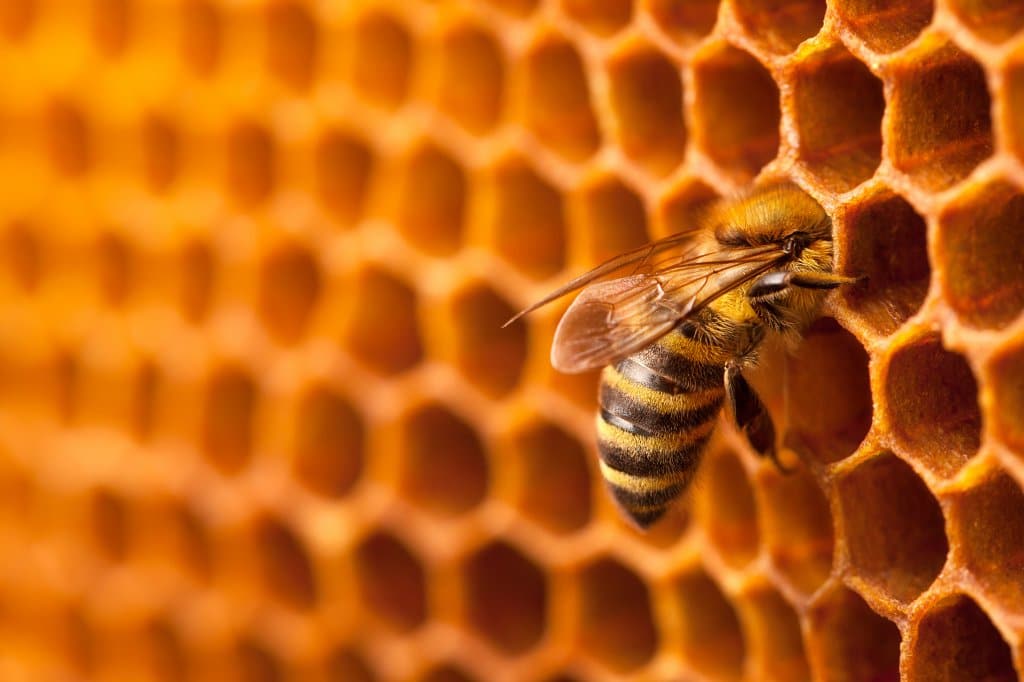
[[772, 283], [750, 414]]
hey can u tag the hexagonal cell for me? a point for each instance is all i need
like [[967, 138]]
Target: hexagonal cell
[[202, 36], [161, 152], [945, 88], [289, 288], [844, 634], [797, 525], [838, 107], [68, 139], [23, 254], [685, 21], [993, 20], [988, 520], [608, 218], [647, 102], [506, 598], [554, 488], [197, 280], [472, 78], [829, 392], [616, 623], [957, 641], [893, 526], [343, 165], [683, 209], [17, 19], [392, 583], [556, 101], [780, 25], [884, 26], [431, 204], [444, 468], [772, 633], [381, 328], [487, 355], [329, 442], [382, 59], [736, 110], [284, 565], [346, 666], [885, 241], [111, 26], [931, 399], [292, 43], [983, 278], [528, 224], [727, 509], [228, 419], [604, 17], [709, 631], [108, 517], [114, 260], [250, 172]]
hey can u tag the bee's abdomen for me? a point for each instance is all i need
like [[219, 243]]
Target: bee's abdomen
[[651, 430]]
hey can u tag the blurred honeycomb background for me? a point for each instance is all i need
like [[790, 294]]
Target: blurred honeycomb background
[[259, 419]]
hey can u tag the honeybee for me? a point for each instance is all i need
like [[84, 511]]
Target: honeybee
[[675, 324]]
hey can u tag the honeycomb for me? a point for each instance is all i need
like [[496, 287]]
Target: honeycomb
[[259, 419]]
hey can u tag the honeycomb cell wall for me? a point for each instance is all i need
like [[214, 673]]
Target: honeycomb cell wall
[[259, 419]]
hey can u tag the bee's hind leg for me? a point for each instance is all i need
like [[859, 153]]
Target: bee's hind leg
[[750, 415]]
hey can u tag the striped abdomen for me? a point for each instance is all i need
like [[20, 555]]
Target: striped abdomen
[[658, 410]]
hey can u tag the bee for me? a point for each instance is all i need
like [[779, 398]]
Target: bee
[[675, 323]]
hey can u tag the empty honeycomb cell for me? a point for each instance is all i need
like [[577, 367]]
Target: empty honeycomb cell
[[228, 419], [611, 217], [444, 468], [845, 635], [736, 110], [709, 631], [556, 100], [829, 393], [983, 277], [489, 356], [343, 167], [108, 516], [471, 86], [202, 36], [884, 26], [381, 328], [284, 565], [555, 480], [289, 288], [838, 105], [993, 20], [647, 103], [69, 144], [957, 641], [683, 209], [939, 117], [685, 21], [931, 398], [506, 597], [111, 26], [616, 623], [602, 17], [329, 442], [988, 520], [903, 554], [23, 255], [17, 18], [780, 25], [161, 152], [528, 227], [774, 642], [797, 528], [348, 666], [292, 44], [382, 59], [114, 258], [432, 202], [884, 241], [728, 511], [250, 172], [392, 582], [197, 267]]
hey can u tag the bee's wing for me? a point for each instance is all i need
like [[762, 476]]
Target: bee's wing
[[613, 319]]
